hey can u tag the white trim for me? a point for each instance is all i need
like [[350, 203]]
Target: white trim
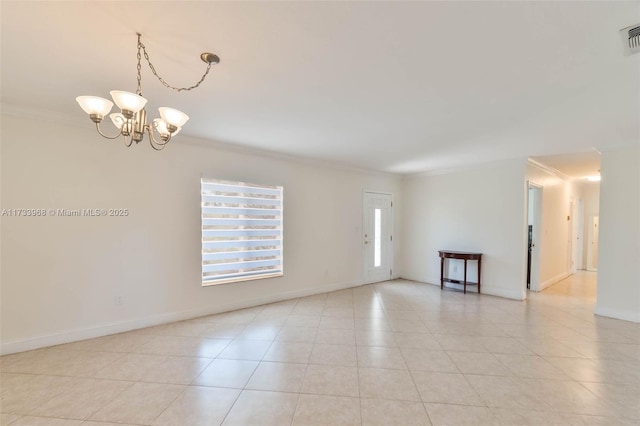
[[243, 149], [593, 227], [67, 336], [537, 236], [554, 280], [486, 289], [547, 169], [409, 277], [81, 120], [377, 192], [503, 292], [460, 168], [39, 114], [633, 316], [616, 147]]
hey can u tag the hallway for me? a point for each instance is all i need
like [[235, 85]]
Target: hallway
[[581, 285]]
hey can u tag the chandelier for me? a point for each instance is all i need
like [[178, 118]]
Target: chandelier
[[131, 121]]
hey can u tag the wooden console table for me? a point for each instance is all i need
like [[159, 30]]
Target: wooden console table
[[462, 255]]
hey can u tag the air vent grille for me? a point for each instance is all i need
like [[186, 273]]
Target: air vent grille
[[631, 39]]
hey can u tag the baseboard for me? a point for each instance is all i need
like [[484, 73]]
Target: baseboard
[[415, 278], [75, 335], [486, 289], [554, 280], [504, 292], [633, 316]]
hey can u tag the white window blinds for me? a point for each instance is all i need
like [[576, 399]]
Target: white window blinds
[[241, 231]]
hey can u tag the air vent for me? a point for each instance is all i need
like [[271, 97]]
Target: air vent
[[631, 39]]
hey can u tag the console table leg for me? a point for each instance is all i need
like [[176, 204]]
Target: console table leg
[[441, 273], [465, 276], [479, 269]]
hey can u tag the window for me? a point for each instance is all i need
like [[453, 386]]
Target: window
[[241, 231]]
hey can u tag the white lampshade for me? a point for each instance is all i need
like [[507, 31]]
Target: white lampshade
[[128, 101], [117, 119], [161, 127], [95, 105], [173, 116]]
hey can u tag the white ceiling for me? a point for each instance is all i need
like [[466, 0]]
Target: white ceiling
[[392, 86]]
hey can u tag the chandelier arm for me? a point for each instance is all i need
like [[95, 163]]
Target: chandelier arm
[[106, 136], [157, 148], [128, 141], [132, 125], [153, 141], [162, 80]]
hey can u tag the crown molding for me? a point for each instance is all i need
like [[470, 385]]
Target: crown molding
[[40, 114], [617, 147], [81, 121], [316, 162], [462, 168], [545, 168]]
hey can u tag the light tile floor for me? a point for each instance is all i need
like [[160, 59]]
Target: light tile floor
[[398, 353]]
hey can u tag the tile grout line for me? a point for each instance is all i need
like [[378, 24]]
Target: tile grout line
[[355, 339]]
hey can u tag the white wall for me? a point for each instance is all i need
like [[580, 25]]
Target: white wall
[[479, 209], [619, 250], [589, 193], [555, 255], [60, 275]]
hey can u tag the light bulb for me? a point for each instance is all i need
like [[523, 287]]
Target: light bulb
[[161, 127], [121, 122], [117, 119]]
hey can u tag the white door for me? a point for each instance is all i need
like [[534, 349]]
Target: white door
[[592, 247], [377, 237]]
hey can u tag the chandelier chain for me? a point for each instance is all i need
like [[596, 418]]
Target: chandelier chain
[[131, 121], [139, 89], [162, 80]]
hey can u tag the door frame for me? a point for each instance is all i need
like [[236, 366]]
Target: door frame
[[579, 235], [571, 264], [594, 221], [362, 238], [537, 221]]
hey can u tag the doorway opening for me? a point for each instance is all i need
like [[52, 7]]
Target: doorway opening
[[588, 230], [534, 219]]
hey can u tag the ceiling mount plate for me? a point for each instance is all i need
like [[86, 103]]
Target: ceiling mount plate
[[210, 58]]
